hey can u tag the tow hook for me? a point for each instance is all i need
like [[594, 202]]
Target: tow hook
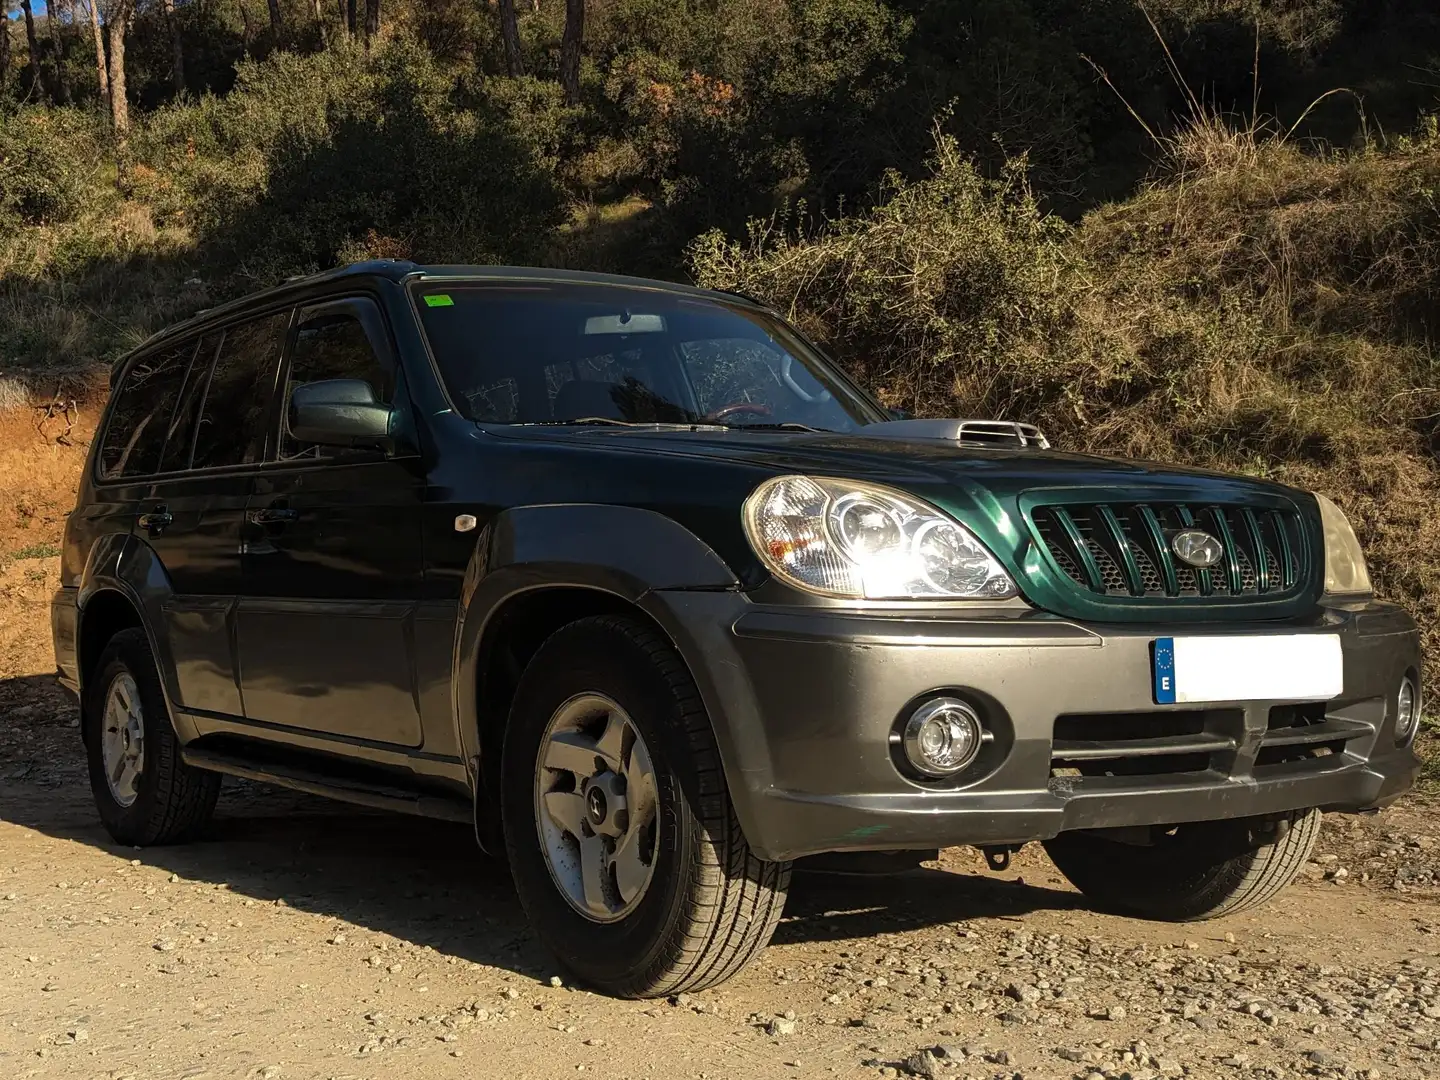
[[998, 858]]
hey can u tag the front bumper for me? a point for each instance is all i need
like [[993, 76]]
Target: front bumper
[[804, 702]]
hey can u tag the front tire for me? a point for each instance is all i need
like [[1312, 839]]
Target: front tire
[[145, 792], [1197, 871], [623, 844]]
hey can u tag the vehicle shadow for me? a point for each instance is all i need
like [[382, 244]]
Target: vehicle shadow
[[421, 881]]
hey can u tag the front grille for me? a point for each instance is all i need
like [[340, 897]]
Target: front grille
[[1142, 744], [1300, 732], [1123, 549]]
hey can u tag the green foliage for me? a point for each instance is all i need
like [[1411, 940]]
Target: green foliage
[[51, 167], [318, 159], [954, 280]]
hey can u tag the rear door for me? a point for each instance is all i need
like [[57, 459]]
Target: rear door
[[193, 512], [332, 563]]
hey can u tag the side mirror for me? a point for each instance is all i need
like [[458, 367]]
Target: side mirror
[[898, 414], [339, 412]]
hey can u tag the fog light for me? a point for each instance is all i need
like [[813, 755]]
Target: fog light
[[942, 737], [1407, 710]]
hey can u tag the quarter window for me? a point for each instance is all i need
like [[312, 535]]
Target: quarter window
[[231, 430], [140, 417]]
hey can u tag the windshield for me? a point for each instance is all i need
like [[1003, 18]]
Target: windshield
[[547, 353]]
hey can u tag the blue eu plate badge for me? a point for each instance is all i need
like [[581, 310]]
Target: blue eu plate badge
[[1164, 671]]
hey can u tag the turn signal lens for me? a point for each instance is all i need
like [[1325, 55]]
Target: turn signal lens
[[1345, 570]]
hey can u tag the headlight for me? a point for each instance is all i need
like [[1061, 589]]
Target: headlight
[[845, 538], [1345, 570]]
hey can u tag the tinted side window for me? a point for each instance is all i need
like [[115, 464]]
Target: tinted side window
[[231, 430], [332, 345], [182, 422], [140, 416]]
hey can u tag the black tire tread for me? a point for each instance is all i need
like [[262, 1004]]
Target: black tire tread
[[1251, 881], [734, 900], [1107, 872], [182, 799]]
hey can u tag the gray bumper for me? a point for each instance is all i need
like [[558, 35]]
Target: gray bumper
[[804, 702]]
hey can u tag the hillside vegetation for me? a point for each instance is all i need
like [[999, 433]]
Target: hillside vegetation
[[1077, 212]]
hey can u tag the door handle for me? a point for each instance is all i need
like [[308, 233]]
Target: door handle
[[155, 520], [271, 515]]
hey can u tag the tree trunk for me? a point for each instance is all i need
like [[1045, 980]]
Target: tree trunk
[[510, 33], [350, 17], [320, 23], [177, 47], [102, 78], [275, 18], [570, 45], [372, 19], [116, 26], [60, 49], [34, 46], [4, 52], [248, 32]]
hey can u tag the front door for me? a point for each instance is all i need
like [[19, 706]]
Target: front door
[[332, 560]]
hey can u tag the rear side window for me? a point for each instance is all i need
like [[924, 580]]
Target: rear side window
[[140, 415], [331, 342], [231, 430], [181, 435]]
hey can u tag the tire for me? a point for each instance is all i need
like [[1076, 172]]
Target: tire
[[161, 800], [1195, 872], [708, 904]]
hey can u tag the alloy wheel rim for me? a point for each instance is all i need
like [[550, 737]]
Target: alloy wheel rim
[[122, 739], [597, 807]]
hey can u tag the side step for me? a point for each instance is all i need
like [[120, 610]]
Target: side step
[[344, 789]]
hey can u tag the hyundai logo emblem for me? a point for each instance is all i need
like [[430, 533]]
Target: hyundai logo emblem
[[1197, 548]]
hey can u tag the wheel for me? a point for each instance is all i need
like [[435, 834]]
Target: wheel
[[623, 845], [145, 793], [1195, 871]]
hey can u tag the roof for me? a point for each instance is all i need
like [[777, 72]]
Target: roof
[[397, 271]]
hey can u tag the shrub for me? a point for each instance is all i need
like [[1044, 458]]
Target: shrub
[[52, 166], [319, 159]]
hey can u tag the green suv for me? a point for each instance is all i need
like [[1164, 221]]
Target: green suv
[[632, 577]]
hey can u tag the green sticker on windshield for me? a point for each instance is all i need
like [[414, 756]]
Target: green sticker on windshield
[[439, 300]]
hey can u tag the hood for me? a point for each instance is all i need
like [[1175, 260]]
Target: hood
[[904, 462], [1084, 536]]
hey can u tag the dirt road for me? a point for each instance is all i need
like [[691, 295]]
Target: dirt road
[[307, 940], [303, 939]]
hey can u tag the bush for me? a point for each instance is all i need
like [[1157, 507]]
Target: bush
[[52, 166], [321, 159]]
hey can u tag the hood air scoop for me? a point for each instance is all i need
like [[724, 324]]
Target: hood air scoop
[[991, 434]]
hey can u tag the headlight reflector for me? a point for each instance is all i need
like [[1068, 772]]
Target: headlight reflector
[[1345, 570], [864, 541]]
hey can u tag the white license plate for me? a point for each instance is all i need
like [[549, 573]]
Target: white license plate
[[1273, 667]]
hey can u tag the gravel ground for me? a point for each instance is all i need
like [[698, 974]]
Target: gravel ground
[[308, 940]]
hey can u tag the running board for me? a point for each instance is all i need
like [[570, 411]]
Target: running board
[[359, 792]]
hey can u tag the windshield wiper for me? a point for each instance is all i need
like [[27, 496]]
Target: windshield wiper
[[609, 421], [788, 425]]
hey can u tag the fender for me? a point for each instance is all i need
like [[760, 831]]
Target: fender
[[624, 551], [119, 562]]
